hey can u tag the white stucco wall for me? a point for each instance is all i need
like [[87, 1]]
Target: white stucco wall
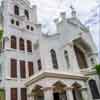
[[67, 32]]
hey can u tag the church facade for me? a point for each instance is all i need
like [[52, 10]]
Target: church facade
[[38, 66]]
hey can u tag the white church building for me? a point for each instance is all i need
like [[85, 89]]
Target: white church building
[[38, 66]]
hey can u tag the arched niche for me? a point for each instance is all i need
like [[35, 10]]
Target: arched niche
[[37, 93], [76, 91], [59, 91]]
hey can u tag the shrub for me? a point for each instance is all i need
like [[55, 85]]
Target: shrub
[[97, 67], [1, 34]]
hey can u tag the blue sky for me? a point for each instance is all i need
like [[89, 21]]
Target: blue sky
[[88, 11]]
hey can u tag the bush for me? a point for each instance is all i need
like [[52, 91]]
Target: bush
[[1, 34], [97, 67]]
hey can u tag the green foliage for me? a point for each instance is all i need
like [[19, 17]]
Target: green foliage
[[0, 44], [1, 34], [2, 94], [97, 67]]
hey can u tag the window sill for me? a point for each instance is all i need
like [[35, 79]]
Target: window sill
[[22, 51], [15, 79], [30, 53], [23, 79], [14, 50]]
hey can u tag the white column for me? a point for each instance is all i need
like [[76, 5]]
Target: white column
[[18, 69], [88, 91], [48, 94], [26, 66], [69, 94], [7, 42], [25, 44], [19, 94], [30, 97], [18, 49], [18, 63]]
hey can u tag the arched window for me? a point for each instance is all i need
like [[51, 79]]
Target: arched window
[[26, 13], [28, 27], [12, 21], [29, 46], [13, 42], [54, 59], [80, 57], [39, 64], [17, 23], [32, 28], [21, 44], [94, 89], [16, 10], [66, 58], [93, 61]]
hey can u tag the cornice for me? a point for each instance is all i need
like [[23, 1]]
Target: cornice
[[43, 75], [24, 2]]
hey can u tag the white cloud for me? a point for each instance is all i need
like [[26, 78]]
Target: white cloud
[[48, 9]]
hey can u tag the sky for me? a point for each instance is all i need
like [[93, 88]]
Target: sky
[[88, 11]]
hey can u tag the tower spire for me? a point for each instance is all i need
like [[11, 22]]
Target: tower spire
[[73, 12]]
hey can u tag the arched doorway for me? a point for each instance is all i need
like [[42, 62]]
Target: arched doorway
[[94, 89], [77, 95], [59, 92], [37, 93]]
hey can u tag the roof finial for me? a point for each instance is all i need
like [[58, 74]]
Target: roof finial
[[73, 11]]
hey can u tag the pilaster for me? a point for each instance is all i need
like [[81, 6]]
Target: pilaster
[[69, 93], [48, 93]]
